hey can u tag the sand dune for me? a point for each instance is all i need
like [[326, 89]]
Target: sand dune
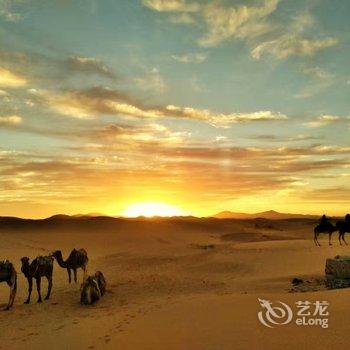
[[175, 284]]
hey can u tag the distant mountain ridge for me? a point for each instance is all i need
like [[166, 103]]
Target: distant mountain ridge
[[270, 214]]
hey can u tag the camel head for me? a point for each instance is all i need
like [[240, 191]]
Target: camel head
[[56, 254], [86, 293]]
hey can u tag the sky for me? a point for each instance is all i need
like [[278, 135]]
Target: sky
[[201, 106]]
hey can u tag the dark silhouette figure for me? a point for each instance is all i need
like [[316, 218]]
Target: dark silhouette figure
[[324, 227], [93, 288], [40, 267], [343, 227], [347, 218], [8, 274], [324, 220], [77, 259]]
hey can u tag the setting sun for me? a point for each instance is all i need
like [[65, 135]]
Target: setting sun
[[149, 209]]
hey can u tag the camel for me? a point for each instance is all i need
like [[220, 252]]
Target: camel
[[40, 267], [93, 289], [326, 228], [342, 227], [8, 274], [77, 259]]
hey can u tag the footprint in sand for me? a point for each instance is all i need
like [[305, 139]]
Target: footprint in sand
[[107, 338], [60, 327]]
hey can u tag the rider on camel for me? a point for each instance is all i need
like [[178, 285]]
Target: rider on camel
[[324, 220], [347, 218]]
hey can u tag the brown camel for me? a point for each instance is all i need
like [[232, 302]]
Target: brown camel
[[42, 266], [93, 289], [8, 274], [77, 259]]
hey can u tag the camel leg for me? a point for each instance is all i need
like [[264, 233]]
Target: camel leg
[[340, 238], [75, 275], [13, 292], [38, 287], [84, 272], [316, 240], [13, 289], [69, 275], [330, 238], [30, 288], [343, 238], [49, 280]]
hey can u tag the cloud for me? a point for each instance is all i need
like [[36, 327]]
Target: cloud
[[190, 58], [286, 46], [90, 66], [279, 138], [151, 80], [11, 120], [323, 120], [183, 18], [241, 21], [290, 41], [93, 102], [320, 80], [171, 5], [223, 120], [316, 73], [11, 79], [6, 11]]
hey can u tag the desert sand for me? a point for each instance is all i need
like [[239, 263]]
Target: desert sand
[[173, 284]]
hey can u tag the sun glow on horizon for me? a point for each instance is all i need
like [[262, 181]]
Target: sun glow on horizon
[[150, 209]]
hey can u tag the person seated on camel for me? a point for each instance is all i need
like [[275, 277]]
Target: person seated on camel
[[324, 220]]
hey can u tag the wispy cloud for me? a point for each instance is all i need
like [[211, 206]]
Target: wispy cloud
[[89, 65], [222, 22], [182, 18], [280, 138], [10, 120], [151, 80], [323, 120], [286, 46], [319, 81], [96, 101], [171, 5], [291, 41], [6, 11], [190, 58], [317, 73], [242, 21], [11, 79]]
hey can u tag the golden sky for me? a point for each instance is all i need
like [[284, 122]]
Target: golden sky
[[192, 107]]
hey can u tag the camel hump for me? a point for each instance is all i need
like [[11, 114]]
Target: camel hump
[[44, 260]]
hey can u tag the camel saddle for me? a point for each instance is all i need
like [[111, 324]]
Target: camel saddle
[[5, 265], [44, 260]]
